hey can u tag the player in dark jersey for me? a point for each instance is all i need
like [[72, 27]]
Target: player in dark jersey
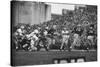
[[90, 36], [51, 32], [78, 30], [77, 34], [42, 40], [51, 36]]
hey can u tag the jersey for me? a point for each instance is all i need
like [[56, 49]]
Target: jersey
[[78, 31], [65, 32], [90, 32], [36, 31], [51, 31], [20, 32]]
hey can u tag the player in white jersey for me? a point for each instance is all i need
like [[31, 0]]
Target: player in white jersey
[[20, 35], [34, 38], [20, 31], [65, 37]]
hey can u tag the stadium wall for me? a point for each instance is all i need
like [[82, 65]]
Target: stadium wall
[[28, 12]]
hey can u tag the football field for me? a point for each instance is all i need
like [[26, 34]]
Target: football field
[[48, 57]]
